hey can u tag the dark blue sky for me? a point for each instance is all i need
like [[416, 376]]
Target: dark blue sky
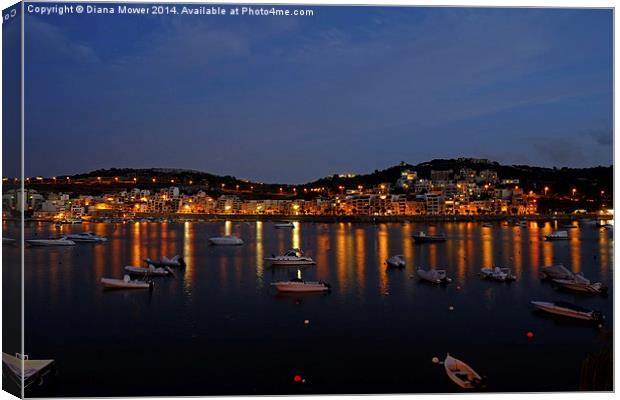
[[293, 99]]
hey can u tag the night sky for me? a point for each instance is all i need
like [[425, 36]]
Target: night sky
[[292, 99]]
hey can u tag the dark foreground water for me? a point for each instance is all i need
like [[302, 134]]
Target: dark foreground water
[[218, 328]]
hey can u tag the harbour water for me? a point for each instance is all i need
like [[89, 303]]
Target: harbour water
[[219, 328]]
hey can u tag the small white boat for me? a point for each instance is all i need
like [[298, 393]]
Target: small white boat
[[284, 225], [588, 222], [461, 373], [568, 310], [6, 240], [125, 283], [176, 261], [498, 274], [229, 240], [397, 261], [580, 283], [608, 227], [86, 237], [487, 225], [298, 285], [557, 235], [301, 286], [423, 237], [437, 276], [149, 271], [557, 271], [292, 257], [63, 241]]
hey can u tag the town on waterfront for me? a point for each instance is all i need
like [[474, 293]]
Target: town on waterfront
[[475, 190]]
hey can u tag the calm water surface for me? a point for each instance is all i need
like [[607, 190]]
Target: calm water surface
[[218, 327]]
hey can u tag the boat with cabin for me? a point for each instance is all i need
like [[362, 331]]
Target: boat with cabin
[[498, 274], [62, 241], [557, 235], [86, 237], [293, 257], [557, 271], [423, 237]]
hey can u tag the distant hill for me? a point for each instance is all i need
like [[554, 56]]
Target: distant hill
[[586, 180]]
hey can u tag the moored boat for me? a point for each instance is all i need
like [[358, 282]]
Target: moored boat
[[437, 276], [298, 285], [301, 286], [557, 235], [293, 257], [498, 274], [63, 241], [396, 261], [557, 271], [461, 373], [6, 240], [568, 310], [176, 261], [284, 225], [228, 240], [580, 283], [423, 237], [149, 271], [125, 283], [86, 237]]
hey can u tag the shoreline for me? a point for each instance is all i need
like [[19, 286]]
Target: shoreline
[[343, 218]]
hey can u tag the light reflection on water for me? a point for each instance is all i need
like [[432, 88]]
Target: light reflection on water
[[224, 293]]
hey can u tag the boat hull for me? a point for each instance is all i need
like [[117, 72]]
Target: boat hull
[[109, 283], [554, 309], [297, 287], [225, 242], [41, 242], [280, 262]]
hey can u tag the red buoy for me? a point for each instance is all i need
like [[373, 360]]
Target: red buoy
[[530, 334], [297, 378]]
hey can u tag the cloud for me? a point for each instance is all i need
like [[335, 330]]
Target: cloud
[[603, 137]]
